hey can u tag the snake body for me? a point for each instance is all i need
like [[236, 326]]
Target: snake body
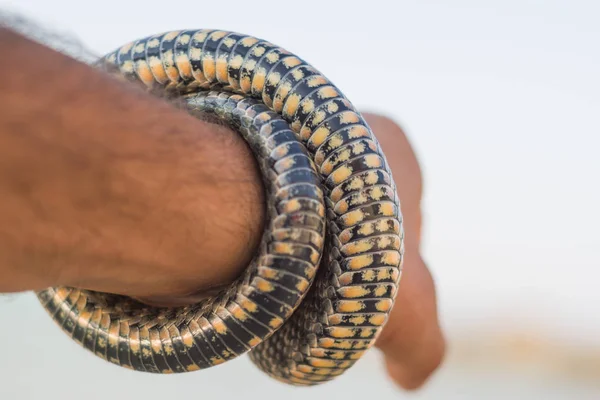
[[321, 286]]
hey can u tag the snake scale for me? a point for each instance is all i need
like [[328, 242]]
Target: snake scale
[[323, 281]]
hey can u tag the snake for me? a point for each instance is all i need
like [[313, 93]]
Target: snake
[[324, 279]]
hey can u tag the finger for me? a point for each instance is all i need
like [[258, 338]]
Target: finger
[[412, 341]]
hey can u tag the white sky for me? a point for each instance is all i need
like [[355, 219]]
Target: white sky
[[501, 100]]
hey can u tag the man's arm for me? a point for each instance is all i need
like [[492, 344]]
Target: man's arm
[[107, 188], [104, 187]]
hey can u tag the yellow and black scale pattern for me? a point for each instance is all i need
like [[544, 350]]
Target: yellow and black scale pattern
[[320, 289]]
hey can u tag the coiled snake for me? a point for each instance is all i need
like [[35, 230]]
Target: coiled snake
[[321, 286]]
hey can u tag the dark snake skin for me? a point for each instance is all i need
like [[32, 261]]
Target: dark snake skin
[[323, 282]]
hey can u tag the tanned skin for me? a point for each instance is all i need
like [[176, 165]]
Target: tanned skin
[[105, 187]]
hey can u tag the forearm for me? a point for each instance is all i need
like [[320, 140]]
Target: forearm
[[105, 187]]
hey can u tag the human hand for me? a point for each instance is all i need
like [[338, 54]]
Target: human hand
[[412, 341]]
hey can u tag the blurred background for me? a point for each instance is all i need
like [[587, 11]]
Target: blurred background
[[501, 100]]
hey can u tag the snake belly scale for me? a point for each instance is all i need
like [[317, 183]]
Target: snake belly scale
[[321, 286]]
